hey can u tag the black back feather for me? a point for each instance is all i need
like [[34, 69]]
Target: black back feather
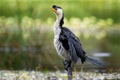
[[72, 44]]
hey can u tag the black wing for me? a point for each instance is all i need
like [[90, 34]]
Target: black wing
[[72, 44]]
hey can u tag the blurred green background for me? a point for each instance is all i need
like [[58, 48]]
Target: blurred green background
[[26, 31]]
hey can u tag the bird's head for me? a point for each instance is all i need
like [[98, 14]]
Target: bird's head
[[57, 10]]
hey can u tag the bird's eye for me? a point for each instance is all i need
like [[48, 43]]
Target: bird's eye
[[55, 8]]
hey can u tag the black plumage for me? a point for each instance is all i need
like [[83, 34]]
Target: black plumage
[[72, 44]]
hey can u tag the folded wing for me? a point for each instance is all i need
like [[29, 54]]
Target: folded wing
[[72, 44]]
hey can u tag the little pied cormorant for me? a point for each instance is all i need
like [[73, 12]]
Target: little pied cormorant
[[67, 44]]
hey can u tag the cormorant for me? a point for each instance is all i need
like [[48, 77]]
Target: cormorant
[[67, 45]]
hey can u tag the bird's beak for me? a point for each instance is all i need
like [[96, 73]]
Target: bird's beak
[[54, 10]]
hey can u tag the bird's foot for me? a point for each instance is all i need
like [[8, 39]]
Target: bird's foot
[[67, 64]]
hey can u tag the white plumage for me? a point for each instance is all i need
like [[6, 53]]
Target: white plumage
[[58, 45]]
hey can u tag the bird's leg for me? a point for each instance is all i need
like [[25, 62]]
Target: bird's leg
[[69, 73], [67, 66]]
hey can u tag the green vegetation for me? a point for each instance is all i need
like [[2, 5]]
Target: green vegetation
[[77, 8], [26, 32]]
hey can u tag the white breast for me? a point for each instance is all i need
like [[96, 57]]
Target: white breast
[[58, 45], [61, 50]]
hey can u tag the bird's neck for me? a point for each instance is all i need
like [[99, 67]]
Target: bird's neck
[[58, 24], [59, 20]]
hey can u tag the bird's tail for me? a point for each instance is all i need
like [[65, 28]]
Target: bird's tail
[[96, 62]]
